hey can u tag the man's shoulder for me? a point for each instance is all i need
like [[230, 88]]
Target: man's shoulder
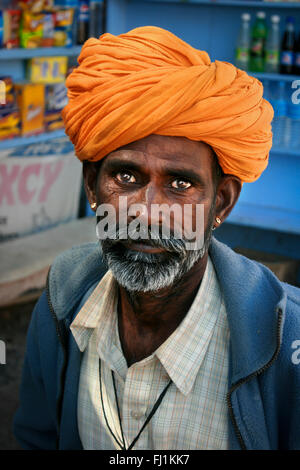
[[66, 261], [237, 267], [72, 274]]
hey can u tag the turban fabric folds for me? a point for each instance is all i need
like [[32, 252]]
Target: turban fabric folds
[[148, 81]]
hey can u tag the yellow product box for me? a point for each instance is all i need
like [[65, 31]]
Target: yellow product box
[[31, 102], [31, 32], [36, 6], [9, 119], [54, 125], [47, 69], [9, 124], [9, 133]]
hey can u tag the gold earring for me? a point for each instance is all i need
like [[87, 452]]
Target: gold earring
[[218, 220], [93, 205]]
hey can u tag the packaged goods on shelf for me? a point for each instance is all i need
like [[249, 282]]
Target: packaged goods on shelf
[[11, 25], [297, 56], [28, 109], [286, 123], [31, 102], [47, 69], [56, 99], [277, 94], [9, 124], [287, 58], [9, 113], [37, 24], [258, 42], [53, 122], [37, 29], [36, 5], [293, 125], [97, 11], [31, 201], [31, 33], [8, 98], [1, 28], [48, 30], [83, 21], [272, 58], [269, 51], [242, 53], [63, 32]]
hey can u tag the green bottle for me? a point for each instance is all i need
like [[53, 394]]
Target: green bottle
[[258, 40]]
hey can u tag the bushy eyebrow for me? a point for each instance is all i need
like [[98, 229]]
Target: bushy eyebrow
[[184, 173], [117, 164]]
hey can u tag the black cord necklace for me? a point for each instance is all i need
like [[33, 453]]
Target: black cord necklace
[[122, 444]]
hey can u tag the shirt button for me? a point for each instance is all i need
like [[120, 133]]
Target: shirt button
[[136, 414]]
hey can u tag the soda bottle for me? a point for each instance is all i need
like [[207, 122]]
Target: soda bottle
[[280, 124], [297, 57], [272, 60], [96, 18], [83, 21], [294, 115], [242, 53], [288, 47], [259, 34]]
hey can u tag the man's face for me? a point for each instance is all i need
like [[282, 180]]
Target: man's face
[[153, 171]]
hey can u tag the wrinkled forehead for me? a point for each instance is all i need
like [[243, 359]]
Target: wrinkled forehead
[[157, 150]]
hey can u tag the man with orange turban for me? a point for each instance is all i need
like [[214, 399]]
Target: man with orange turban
[[160, 337]]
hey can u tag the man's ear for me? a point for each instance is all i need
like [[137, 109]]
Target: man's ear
[[90, 174], [228, 192]]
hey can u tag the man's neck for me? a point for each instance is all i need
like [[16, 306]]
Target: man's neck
[[146, 320]]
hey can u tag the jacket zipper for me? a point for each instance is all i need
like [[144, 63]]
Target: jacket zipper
[[62, 375], [251, 376]]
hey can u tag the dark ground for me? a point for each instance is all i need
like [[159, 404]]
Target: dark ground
[[13, 327]]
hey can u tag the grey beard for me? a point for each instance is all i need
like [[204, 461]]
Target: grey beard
[[138, 271]]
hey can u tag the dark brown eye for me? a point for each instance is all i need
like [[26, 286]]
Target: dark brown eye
[[125, 177], [181, 184]]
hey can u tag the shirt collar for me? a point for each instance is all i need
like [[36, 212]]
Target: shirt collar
[[100, 308]]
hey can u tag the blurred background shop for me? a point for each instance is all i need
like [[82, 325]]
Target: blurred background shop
[[43, 209]]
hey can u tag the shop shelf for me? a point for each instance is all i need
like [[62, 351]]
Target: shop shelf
[[275, 76], [20, 54], [285, 152], [10, 143], [234, 3]]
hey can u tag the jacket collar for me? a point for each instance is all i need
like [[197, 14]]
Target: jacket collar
[[253, 298]]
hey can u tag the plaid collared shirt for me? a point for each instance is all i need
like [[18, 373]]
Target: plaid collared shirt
[[193, 413]]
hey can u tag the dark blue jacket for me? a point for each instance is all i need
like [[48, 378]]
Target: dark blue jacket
[[264, 371]]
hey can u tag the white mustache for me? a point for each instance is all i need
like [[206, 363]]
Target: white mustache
[[152, 237]]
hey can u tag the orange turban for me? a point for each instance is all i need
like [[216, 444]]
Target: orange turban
[[148, 81]]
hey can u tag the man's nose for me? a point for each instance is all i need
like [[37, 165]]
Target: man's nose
[[144, 202]]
